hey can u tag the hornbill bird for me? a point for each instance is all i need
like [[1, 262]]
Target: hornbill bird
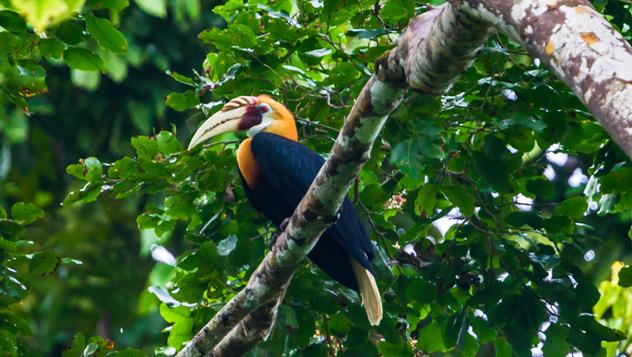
[[276, 173]]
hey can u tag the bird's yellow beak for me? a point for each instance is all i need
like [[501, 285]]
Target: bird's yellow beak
[[219, 123]]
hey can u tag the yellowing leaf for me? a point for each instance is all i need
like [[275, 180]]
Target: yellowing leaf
[[43, 13]]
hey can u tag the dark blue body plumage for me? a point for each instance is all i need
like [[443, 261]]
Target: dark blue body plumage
[[287, 169]]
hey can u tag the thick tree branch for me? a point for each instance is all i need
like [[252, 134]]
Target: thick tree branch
[[382, 94], [438, 46], [580, 47]]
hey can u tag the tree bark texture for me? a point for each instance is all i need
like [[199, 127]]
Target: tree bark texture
[[254, 328], [579, 46]]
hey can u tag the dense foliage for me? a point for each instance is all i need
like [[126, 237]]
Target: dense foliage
[[497, 210]]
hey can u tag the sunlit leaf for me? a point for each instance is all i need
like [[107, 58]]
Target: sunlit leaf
[[43, 13]]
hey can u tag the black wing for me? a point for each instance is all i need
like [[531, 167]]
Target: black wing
[[290, 168]]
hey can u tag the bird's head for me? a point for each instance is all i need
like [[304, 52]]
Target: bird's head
[[250, 114]]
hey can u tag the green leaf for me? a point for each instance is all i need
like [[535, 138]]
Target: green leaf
[[94, 168], [338, 324], [51, 47], [43, 263], [70, 32], [426, 199], [25, 213], [398, 10], [493, 171], [430, 338], [555, 344], [182, 101], [182, 324], [181, 78], [343, 74], [617, 181], [235, 36], [522, 218], [77, 346], [105, 33], [175, 314], [502, 347], [243, 36], [461, 198], [12, 21], [598, 331], [368, 33], [573, 207], [558, 224], [421, 291], [89, 193], [82, 59], [229, 8], [123, 168], [76, 170], [625, 276], [410, 155], [146, 148], [541, 187], [168, 143], [483, 329], [388, 349]]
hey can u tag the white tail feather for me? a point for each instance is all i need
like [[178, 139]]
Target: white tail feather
[[369, 293]]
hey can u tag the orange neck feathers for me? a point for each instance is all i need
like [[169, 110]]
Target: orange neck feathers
[[282, 124]]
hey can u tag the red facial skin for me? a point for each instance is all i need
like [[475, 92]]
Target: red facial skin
[[252, 117]]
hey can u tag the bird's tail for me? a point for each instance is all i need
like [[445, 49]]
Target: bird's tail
[[369, 293]]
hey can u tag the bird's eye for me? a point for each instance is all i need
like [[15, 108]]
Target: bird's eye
[[264, 109]]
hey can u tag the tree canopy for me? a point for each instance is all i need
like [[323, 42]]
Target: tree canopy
[[501, 211]]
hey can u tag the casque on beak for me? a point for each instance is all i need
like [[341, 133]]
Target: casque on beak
[[241, 113], [219, 123]]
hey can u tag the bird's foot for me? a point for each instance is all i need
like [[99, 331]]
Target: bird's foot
[[284, 224], [276, 235]]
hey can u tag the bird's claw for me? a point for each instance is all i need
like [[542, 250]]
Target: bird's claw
[[273, 239], [284, 224], [276, 235]]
